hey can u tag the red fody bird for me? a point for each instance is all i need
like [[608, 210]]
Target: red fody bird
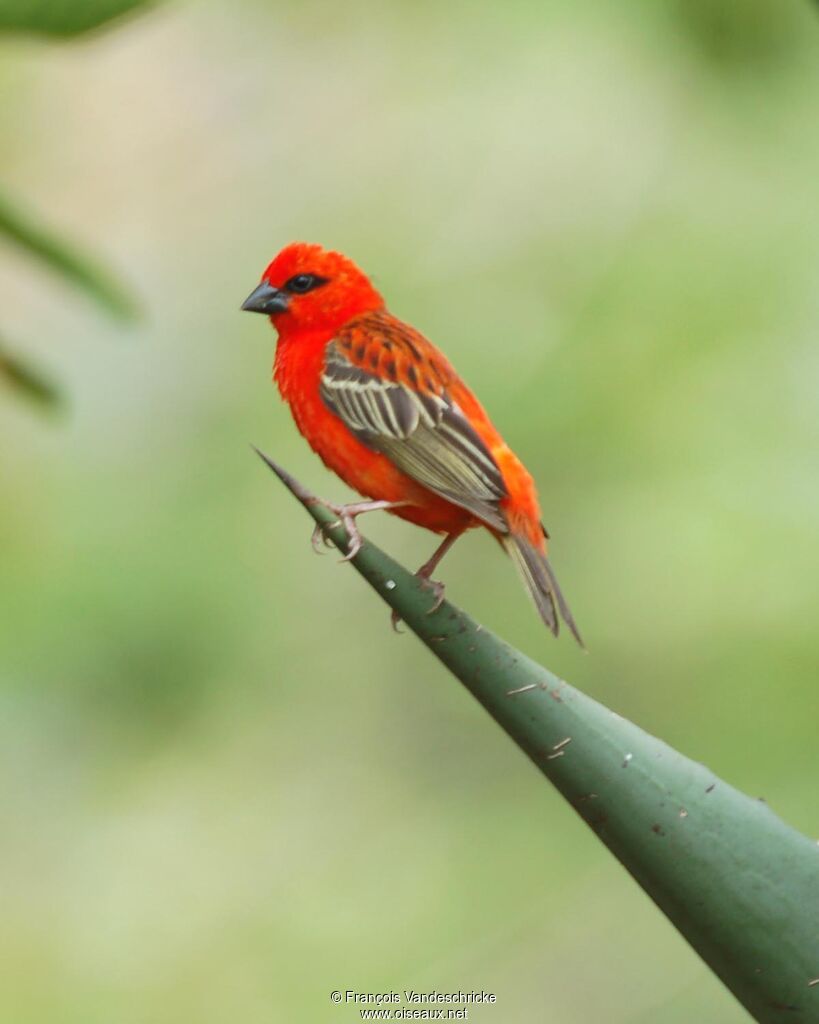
[[386, 411]]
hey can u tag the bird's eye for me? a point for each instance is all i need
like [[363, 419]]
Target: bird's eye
[[302, 283]]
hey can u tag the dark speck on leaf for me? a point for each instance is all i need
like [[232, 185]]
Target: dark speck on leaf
[[709, 789]]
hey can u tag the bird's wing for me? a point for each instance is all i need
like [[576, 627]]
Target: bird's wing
[[389, 386]]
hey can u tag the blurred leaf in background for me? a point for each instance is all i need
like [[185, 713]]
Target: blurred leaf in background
[[736, 34], [29, 380], [65, 19], [65, 260], [62, 17]]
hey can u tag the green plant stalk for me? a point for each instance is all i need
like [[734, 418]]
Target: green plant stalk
[[739, 884]]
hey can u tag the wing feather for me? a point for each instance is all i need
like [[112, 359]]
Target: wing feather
[[425, 434]]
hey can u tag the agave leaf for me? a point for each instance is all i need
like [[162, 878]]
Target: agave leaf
[[739, 884]]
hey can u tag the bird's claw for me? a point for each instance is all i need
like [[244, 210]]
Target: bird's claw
[[347, 518], [353, 537], [438, 589], [317, 536]]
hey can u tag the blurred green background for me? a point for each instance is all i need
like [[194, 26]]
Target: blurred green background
[[226, 787]]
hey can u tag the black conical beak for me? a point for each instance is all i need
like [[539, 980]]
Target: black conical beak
[[266, 299]]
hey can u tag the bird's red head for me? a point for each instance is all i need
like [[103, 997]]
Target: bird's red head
[[307, 288]]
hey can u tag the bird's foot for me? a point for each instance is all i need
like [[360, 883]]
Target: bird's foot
[[438, 589], [347, 515], [317, 536], [425, 575]]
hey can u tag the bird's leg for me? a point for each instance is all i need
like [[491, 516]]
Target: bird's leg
[[425, 574], [347, 515], [429, 567]]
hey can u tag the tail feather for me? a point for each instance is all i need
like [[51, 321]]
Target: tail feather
[[541, 583]]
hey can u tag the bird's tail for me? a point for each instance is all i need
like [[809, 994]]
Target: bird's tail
[[540, 582]]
